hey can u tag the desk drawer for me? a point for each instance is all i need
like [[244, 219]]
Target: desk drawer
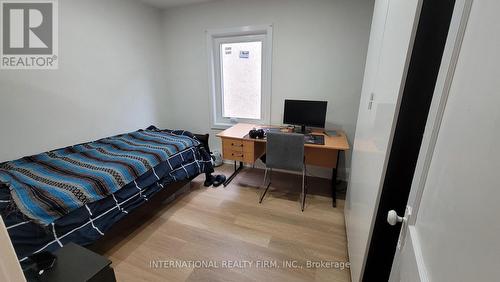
[[232, 145], [238, 150], [235, 156]]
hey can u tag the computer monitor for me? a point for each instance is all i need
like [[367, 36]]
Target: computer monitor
[[305, 113]]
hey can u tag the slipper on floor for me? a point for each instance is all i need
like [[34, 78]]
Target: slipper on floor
[[209, 181], [219, 179]]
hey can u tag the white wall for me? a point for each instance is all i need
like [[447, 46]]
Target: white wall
[[108, 81], [319, 54], [124, 65]]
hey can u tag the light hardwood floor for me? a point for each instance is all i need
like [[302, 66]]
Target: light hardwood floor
[[217, 225]]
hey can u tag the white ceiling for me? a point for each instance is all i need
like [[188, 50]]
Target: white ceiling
[[172, 3]]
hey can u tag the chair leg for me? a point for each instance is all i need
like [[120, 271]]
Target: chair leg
[[264, 183], [265, 177], [305, 181], [304, 193]]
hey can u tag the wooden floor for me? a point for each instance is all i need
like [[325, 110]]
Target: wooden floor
[[219, 226]]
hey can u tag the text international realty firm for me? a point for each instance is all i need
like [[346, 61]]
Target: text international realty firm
[[340, 265]]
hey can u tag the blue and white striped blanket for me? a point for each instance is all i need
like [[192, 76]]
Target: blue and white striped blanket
[[50, 185]]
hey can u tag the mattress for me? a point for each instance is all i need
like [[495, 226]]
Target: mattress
[[91, 221]]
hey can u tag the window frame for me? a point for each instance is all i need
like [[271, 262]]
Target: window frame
[[239, 34]]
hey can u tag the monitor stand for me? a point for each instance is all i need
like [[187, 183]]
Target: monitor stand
[[302, 130]]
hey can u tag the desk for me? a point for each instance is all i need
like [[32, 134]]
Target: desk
[[238, 147]]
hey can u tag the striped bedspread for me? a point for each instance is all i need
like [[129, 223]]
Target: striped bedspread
[[50, 185]]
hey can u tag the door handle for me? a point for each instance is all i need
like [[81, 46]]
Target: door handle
[[393, 218]]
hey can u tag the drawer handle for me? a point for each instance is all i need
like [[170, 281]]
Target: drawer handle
[[239, 155], [232, 144]]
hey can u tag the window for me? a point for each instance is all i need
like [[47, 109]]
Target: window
[[240, 68], [241, 79]]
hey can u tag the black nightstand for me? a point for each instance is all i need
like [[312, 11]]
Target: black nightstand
[[75, 263]]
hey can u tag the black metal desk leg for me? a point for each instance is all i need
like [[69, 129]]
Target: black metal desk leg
[[237, 169], [334, 182]]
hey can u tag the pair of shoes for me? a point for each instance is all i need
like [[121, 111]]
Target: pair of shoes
[[216, 181]]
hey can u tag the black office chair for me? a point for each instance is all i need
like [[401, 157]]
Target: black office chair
[[285, 151]]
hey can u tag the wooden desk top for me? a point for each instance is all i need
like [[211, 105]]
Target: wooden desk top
[[240, 130]]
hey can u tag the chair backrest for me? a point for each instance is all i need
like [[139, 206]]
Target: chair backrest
[[285, 151]]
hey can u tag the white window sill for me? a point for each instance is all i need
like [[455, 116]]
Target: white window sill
[[222, 126]]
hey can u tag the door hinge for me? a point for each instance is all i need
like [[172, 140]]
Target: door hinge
[[370, 103]]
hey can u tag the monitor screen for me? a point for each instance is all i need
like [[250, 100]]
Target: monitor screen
[[307, 113]]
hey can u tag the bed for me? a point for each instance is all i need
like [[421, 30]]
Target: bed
[[76, 194]]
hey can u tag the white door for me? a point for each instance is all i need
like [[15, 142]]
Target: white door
[[392, 33], [452, 233]]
